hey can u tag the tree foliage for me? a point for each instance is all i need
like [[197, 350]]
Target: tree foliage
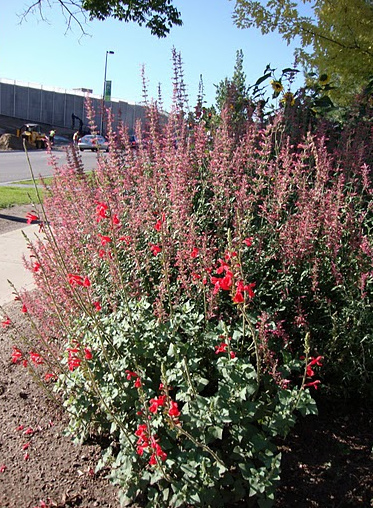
[[335, 35], [157, 15]]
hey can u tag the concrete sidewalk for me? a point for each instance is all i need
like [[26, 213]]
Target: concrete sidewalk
[[12, 247]]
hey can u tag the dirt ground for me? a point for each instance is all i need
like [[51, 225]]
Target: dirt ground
[[327, 460]]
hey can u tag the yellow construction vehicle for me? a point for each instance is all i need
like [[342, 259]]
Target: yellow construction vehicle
[[33, 134]]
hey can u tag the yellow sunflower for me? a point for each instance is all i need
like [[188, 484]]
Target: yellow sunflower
[[277, 86], [288, 98], [324, 79]]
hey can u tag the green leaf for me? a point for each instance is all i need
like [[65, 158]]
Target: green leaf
[[261, 79]]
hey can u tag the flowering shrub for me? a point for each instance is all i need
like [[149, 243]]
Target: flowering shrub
[[188, 293]]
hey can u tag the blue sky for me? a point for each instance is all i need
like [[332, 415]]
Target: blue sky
[[44, 52]]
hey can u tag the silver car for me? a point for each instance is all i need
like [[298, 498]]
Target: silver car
[[93, 142]]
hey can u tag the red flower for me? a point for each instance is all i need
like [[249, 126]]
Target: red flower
[[31, 217], [116, 220], [3, 468], [105, 239], [49, 376], [232, 354], [25, 446], [6, 322], [316, 361], [77, 280], [138, 383], [238, 297], [153, 460], [158, 225], [194, 253], [230, 255], [141, 430], [73, 361], [36, 358], [97, 306], [131, 374], [248, 288], [24, 309], [16, 355], [159, 452], [222, 348], [248, 241], [29, 431], [126, 239], [174, 411], [313, 384], [86, 282], [36, 267], [101, 210], [26, 456], [88, 353], [156, 403], [155, 249]]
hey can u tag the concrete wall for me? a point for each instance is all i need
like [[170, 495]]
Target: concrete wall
[[56, 106]]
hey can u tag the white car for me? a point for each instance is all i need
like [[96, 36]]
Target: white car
[[92, 142]]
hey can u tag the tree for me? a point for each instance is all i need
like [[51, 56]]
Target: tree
[[157, 15], [335, 36], [233, 95]]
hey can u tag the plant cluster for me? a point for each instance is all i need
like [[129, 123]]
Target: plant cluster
[[189, 291]]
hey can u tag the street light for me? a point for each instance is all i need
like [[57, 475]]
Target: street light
[[103, 93]]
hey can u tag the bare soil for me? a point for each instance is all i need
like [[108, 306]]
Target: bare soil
[[327, 460]]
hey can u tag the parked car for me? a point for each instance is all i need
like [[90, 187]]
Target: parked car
[[92, 142], [133, 142]]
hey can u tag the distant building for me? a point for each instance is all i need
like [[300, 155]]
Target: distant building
[[58, 107]]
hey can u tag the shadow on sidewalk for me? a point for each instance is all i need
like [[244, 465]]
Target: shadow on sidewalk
[[13, 218]]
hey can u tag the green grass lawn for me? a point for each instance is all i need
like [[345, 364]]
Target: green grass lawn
[[10, 196], [47, 180]]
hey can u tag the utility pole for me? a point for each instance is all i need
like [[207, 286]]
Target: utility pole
[[103, 94]]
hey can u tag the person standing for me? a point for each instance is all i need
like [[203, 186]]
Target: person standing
[[52, 134]]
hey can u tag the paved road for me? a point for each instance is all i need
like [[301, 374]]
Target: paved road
[[14, 165]]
